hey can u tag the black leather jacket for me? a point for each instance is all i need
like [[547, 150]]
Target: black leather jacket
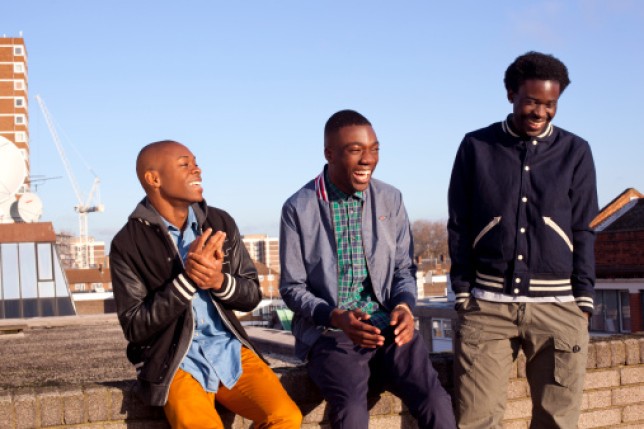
[[153, 294]]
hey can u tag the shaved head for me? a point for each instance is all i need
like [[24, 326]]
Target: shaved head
[[150, 158]]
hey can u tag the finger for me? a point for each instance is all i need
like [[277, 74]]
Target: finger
[[198, 244], [214, 242], [360, 315]]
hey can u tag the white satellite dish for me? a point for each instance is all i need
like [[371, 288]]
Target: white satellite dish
[[13, 169], [27, 209]]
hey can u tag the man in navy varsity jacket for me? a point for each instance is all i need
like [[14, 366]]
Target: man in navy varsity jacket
[[521, 198]]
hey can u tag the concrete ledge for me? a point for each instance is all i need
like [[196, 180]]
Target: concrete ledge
[[73, 373]]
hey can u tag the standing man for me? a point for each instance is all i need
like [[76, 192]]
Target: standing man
[[521, 199], [347, 274], [178, 272]]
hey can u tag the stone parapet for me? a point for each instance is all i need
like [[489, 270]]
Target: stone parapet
[[613, 392]]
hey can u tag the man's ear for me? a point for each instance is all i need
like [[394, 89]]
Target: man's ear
[[152, 179], [327, 153], [511, 96]]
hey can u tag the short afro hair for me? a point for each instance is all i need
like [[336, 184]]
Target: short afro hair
[[343, 118], [535, 65]]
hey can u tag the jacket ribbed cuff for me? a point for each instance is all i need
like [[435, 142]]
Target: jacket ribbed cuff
[[228, 288], [184, 286], [322, 315]]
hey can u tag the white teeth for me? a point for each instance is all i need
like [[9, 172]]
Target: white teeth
[[195, 183]]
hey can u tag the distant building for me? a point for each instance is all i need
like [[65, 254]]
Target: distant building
[[14, 112], [619, 260], [264, 249], [71, 251]]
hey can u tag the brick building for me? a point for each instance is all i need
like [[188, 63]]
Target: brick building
[[264, 249], [14, 113], [619, 258]]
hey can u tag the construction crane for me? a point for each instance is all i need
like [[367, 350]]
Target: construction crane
[[85, 206]]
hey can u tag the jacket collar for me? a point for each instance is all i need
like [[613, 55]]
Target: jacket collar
[[146, 213]]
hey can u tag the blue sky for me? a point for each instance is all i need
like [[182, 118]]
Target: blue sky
[[249, 85]]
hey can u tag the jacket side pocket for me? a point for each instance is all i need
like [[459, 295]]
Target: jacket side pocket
[[560, 232]]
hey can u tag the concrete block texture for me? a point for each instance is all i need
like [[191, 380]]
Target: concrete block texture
[[6, 410], [600, 419], [632, 351], [618, 352], [633, 413], [51, 407], [603, 357], [73, 406], [25, 408], [598, 379], [632, 375], [628, 395]]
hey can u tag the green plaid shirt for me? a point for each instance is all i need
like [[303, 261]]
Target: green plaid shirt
[[354, 285]]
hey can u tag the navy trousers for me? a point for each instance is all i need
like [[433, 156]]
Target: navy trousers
[[344, 373]]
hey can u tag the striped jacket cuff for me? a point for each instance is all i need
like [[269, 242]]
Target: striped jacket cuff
[[184, 286], [585, 303], [228, 288], [461, 297]]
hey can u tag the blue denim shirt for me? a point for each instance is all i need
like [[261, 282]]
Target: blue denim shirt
[[215, 354]]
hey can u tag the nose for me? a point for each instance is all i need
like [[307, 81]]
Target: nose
[[540, 110], [369, 157]]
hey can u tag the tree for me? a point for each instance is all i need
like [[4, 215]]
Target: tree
[[430, 239]]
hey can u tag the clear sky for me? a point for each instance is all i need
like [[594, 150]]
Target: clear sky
[[248, 87]]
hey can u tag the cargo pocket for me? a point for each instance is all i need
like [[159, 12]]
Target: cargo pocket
[[570, 362], [468, 339]]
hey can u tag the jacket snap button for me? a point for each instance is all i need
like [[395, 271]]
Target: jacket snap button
[[576, 349]]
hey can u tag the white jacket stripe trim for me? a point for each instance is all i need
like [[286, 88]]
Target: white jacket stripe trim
[[181, 290], [487, 277], [550, 282], [490, 284], [185, 283], [232, 285], [550, 288]]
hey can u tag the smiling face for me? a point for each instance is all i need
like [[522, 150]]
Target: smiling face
[[352, 154], [170, 175], [534, 106]]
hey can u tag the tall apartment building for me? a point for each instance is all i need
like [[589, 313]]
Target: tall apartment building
[[264, 249], [70, 251], [14, 112]]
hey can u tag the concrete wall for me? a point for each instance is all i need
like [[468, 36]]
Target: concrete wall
[[613, 398]]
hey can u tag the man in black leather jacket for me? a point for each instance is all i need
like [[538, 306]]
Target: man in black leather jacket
[[179, 270]]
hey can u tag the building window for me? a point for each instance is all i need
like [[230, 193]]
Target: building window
[[612, 311], [18, 50], [441, 328], [21, 137], [19, 102], [20, 120], [18, 68], [19, 85]]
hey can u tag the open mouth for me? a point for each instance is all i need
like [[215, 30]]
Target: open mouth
[[362, 176], [196, 184]]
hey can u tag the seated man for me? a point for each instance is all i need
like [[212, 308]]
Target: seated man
[[347, 274], [178, 272]]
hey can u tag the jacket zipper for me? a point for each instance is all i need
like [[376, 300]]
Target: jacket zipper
[[494, 222], [560, 232]]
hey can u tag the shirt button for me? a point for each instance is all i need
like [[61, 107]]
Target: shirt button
[[522, 230], [524, 199], [520, 257], [534, 142], [517, 280], [526, 168], [516, 290]]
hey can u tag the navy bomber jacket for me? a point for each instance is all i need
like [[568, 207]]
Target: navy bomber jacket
[[519, 215]]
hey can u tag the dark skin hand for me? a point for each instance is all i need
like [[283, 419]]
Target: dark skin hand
[[205, 259], [362, 334], [403, 320]]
